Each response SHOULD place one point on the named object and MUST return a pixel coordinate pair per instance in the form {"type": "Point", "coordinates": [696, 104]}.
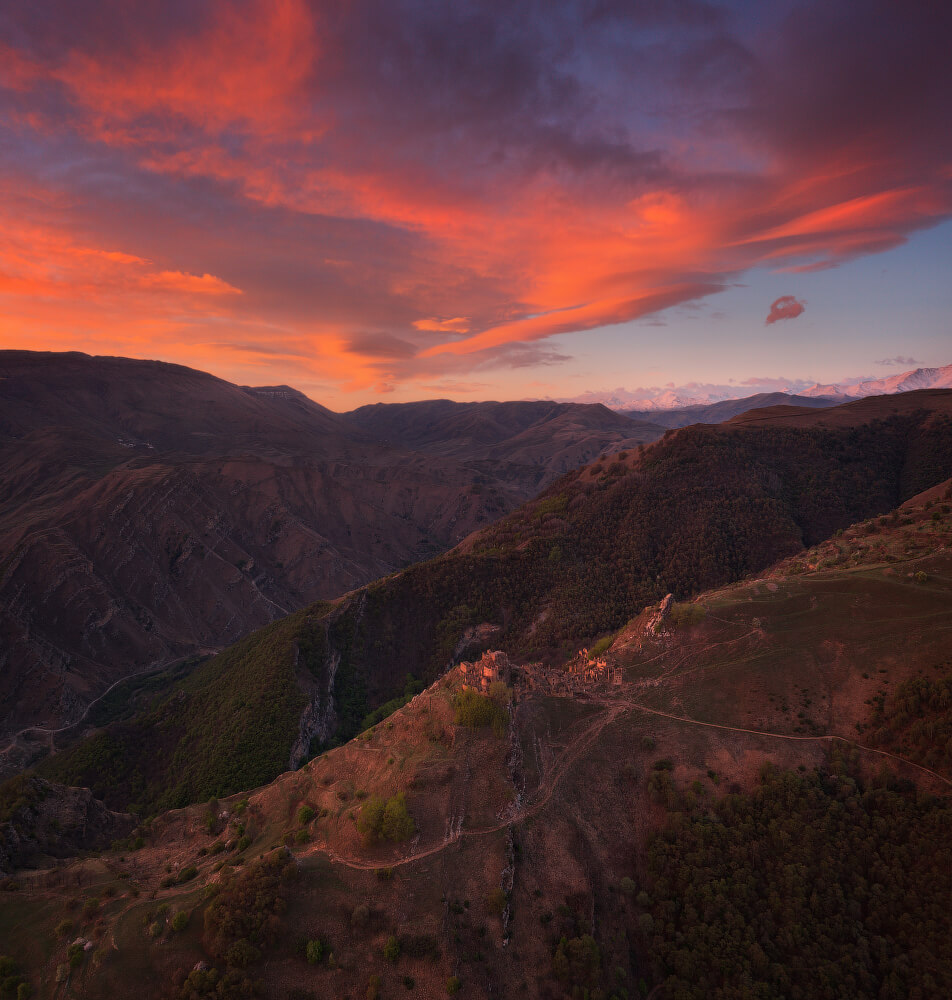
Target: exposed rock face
{"type": "Point", "coordinates": [318, 719]}
{"type": "Point", "coordinates": [656, 616]}
{"type": "Point", "coordinates": [42, 820]}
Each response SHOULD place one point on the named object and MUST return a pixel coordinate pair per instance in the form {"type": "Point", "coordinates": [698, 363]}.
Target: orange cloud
{"type": "Point", "coordinates": [397, 193]}
{"type": "Point", "coordinates": [193, 284]}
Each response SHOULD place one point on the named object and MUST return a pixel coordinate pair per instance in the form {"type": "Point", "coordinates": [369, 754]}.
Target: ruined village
{"type": "Point", "coordinates": [583, 674]}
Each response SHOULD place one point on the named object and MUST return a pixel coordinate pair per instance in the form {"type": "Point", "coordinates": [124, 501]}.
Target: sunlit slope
{"type": "Point", "coordinates": [747, 716]}
{"type": "Point", "coordinates": [705, 506]}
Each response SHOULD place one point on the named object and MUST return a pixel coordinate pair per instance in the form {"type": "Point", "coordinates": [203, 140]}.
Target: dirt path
{"type": "Point", "coordinates": [788, 736]}
{"type": "Point", "coordinates": [155, 668]}
{"type": "Point", "coordinates": [539, 800]}
{"type": "Point", "coordinates": [575, 749]}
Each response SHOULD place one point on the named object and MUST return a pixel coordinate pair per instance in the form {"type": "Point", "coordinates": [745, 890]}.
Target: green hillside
{"type": "Point", "coordinates": [228, 726]}
{"type": "Point", "coordinates": [703, 507]}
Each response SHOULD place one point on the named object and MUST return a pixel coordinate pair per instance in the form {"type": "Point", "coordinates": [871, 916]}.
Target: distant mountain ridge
{"type": "Point", "coordinates": [553, 437]}
{"type": "Point", "coordinates": [918, 378]}
{"type": "Point", "coordinates": [716, 413]}
{"type": "Point", "coordinates": [149, 510]}
{"type": "Point", "coordinates": [651, 401]}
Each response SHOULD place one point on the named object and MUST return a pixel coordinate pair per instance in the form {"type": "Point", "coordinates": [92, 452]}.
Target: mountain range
{"type": "Point", "coordinates": [616, 822]}
{"type": "Point", "coordinates": [149, 511]}
{"type": "Point", "coordinates": [651, 401]}
{"type": "Point", "coordinates": [919, 378]}
{"type": "Point", "coordinates": [705, 506]}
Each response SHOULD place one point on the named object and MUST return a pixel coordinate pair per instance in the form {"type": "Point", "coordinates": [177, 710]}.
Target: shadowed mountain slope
{"type": "Point", "coordinates": [754, 799]}
{"type": "Point", "coordinates": [706, 506]}
{"type": "Point", "coordinates": [148, 511]}
{"type": "Point", "coordinates": [552, 437]}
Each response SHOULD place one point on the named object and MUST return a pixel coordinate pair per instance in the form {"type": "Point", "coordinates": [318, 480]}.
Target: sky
{"type": "Point", "coordinates": [384, 200]}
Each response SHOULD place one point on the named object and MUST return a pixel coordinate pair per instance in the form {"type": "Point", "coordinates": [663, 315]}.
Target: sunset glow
{"type": "Point", "coordinates": [416, 198]}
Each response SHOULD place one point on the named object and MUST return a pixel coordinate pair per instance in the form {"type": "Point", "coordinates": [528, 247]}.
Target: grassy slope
{"type": "Point", "coordinates": [706, 506]}
{"type": "Point", "coordinates": [702, 508]}
{"type": "Point", "coordinates": [594, 825]}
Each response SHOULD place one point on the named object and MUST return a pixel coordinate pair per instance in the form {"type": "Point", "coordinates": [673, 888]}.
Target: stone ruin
{"type": "Point", "coordinates": [489, 668]}
{"type": "Point", "coordinates": [579, 676]}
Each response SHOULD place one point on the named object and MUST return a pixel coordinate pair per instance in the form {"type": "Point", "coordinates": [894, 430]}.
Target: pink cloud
{"type": "Point", "coordinates": [786, 307]}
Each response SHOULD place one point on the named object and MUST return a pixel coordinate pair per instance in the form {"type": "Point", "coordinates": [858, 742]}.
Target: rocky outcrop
{"type": "Point", "coordinates": [318, 720]}
{"type": "Point", "coordinates": [40, 820]}
{"type": "Point", "coordinates": [657, 616]}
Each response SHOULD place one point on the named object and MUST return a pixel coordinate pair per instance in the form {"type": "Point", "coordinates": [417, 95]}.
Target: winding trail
{"type": "Point", "coordinates": [788, 736]}
{"type": "Point", "coordinates": [155, 668]}
{"type": "Point", "coordinates": [539, 801]}
{"type": "Point", "coordinates": [614, 710]}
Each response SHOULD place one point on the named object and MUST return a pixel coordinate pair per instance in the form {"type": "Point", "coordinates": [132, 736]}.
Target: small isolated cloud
{"type": "Point", "coordinates": [897, 360]}
{"type": "Point", "coordinates": [786, 307]}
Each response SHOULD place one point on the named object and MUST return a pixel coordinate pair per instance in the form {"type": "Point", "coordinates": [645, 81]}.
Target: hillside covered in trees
{"type": "Point", "coordinates": [701, 508]}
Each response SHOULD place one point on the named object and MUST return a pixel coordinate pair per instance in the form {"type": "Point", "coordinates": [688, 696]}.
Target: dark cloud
{"type": "Point", "coordinates": [786, 307]}
{"type": "Point", "coordinates": [380, 345]}
{"type": "Point", "coordinates": [897, 360]}
{"type": "Point", "coordinates": [275, 349]}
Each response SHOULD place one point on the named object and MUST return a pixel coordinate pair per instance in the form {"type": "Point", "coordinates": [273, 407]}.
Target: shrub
{"type": "Point", "coordinates": [397, 822]}
{"type": "Point", "coordinates": [242, 953]}
{"type": "Point", "coordinates": [474, 711]}
{"type": "Point", "coordinates": [64, 928]}
{"type": "Point", "coordinates": [687, 614]}
{"type": "Point", "coordinates": [497, 902]}
{"type": "Point", "coordinates": [187, 874]}
{"type": "Point", "coordinates": [453, 985]}
{"type": "Point", "coordinates": [24, 991]}
{"type": "Point", "coordinates": [314, 952]}
{"type": "Point", "coordinates": [577, 961]}
{"type": "Point", "coordinates": [373, 988]}
{"type": "Point", "coordinates": [390, 819]}
{"type": "Point", "coordinates": [305, 815]}
{"type": "Point", "coordinates": [180, 920]}
{"type": "Point", "coordinates": [601, 646]}
{"type": "Point", "coordinates": [391, 950]}
{"type": "Point", "coordinates": [360, 916]}
{"type": "Point", "coordinates": [370, 820]}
